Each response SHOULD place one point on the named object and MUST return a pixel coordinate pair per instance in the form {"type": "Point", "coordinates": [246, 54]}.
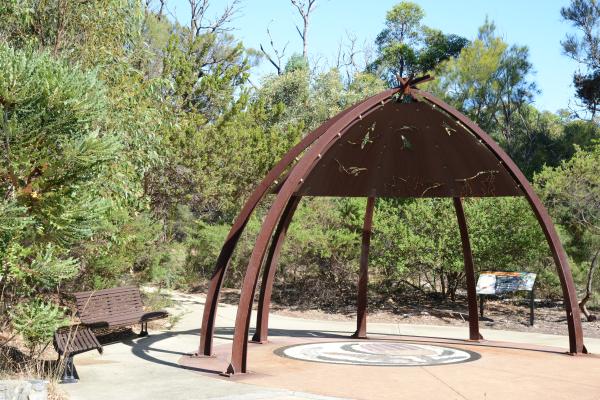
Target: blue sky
{"type": "Point", "coordinates": [534, 23]}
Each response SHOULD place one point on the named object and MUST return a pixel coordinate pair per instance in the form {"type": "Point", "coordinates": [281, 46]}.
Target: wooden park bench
{"type": "Point", "coordinates": [100, 309]}
{"type": "Point", "coordinates": [114, 308]}
{"type": "Point", "coordinates": [70, 341]}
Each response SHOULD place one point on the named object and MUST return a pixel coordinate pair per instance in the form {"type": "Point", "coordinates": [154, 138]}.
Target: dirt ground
{"type": "Point", "coordinates": [498, 314]}
{"type": "Point", "coordinates": [510, 314]}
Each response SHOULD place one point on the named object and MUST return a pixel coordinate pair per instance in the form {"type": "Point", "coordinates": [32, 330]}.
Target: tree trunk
{"type": "Point", "coordinates": [443, 283]}
{"type": "Point", "coordinates": [305, 14]}
{"type": "Point", "coordinates": [588, 289]}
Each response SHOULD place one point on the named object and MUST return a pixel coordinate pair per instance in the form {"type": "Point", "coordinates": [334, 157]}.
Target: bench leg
{"type": "Point", "coordinates": [144, 331]}
{"type": "Point", "coordinates": [70, 374]}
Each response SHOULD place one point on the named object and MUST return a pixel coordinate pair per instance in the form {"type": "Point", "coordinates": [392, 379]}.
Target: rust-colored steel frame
{"type": "Point", "coordinates": [216, 281]}
{"type": "Point", "coordinates": [281, 211]}
{"type": "Point", "coordinates": [266, 287]}
{"type": "Point", "coordinates": [469, 270]}
{"type": "Point", "coordinates": [363, 278]}
{"type": "Point", "coordinates": [576, 345]}
{"type": "Point", "coordinates": [262, 318]}
{"type": "Point", "coordinates": [295, 178]}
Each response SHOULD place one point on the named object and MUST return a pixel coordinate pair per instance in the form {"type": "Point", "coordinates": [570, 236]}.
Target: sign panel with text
{"type": "Point", "coordinates": [505, 282]}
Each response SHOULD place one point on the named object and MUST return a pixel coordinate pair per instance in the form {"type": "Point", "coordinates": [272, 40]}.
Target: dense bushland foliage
{"type": "Point", "coordinates": [130, 141]}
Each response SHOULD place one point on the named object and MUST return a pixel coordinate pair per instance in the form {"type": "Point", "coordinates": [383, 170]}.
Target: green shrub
{"type": "Point", "coordinates": [36, 322]}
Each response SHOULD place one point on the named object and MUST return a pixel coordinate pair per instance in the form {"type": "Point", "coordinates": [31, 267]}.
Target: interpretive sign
{"type": "Point", "coordinates": [505, 282]}
{"type": "Point", "coordinates": [498, 283]}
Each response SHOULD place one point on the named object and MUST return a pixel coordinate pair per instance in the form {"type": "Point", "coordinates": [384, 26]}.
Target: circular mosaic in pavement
{"type": "Point", "coordinates": [377, 353]}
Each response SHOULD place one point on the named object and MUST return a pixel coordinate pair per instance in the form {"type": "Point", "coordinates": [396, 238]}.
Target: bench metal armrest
{"type": "Point", "coordinates": [152, 315]}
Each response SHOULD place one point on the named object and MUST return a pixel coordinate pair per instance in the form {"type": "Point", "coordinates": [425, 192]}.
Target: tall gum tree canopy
{"type": "Point", "coordinates": [584, 47]}
{"type": "Point", "coordinates": [407, 47]}
{"type": "Point", "coordinates": [490, 81]}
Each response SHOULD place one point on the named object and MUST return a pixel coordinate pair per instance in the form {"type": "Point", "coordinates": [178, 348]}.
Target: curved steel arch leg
{"type": "Point", "coordinates": [216, 281]}
{"type": "Point", "coordinates": [363, 279]}
{"type": "Point", "coordinates": [239, 348]}
{"type": "Point", "coordinates": [214, 288]}
{"type": "Point", "coordinates": [469, 270]}
{"type": "Point", "coordinates": [264, 300]}
{"type": "Point", "coordinates": [561, 261]}
{"type": "Point", "coordinates": [576, 345]}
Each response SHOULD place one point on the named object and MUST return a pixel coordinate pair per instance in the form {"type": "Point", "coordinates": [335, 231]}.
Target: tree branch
{"type": "Point", "coordinates": [278, 54]}
{"type": "Point", "coordinates": [588, 289]}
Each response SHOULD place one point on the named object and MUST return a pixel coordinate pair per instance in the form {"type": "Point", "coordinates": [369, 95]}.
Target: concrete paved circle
{"type": "Point", "coordinates": [377, 353]}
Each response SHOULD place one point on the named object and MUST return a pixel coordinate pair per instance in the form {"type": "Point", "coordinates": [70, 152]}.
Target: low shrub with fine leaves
{"type": "Point", "coordinates": [36, 322]}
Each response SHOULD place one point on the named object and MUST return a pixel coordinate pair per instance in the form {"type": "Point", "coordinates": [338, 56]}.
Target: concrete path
{"type": "Point", "coordinates": [148, 368]}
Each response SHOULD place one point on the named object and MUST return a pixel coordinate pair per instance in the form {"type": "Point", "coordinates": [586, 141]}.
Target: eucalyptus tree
{"type": "Point", "coordinates": [490, 82]}
{"type": "Point", "coordinates": [407, 47]}
{"type": "Point", "coordinates": [584, 47]}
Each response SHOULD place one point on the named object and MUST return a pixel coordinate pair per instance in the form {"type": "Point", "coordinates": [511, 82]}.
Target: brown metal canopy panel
{"type": "Point", "coordinates": [409, 150]}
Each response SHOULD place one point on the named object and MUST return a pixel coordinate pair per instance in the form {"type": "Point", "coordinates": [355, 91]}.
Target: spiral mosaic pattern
{"type": "Point", "coordinates": [377, 353]}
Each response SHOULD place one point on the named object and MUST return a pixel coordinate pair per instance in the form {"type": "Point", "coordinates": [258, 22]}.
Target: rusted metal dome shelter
{"type": "Point", "coordinates": [403, 142]}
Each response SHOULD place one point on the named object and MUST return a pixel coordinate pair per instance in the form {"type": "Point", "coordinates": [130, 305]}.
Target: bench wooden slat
{"type": "Point", "coordinates": [74, 340]}
{"type": "Point", "coordinates": [97, 306]}
{"type": "Point", "coordinates": [112, 316]}
{"type": "Point", "coordinates": [114, 307]}
{"type": "Point", "coordinates": [108, 291]}
{"type": "Point", "coordinates": [86, 341]}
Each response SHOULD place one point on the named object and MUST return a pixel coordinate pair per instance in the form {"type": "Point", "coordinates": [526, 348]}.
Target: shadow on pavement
{"type": "Point", "coordinates": [143, 347]}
